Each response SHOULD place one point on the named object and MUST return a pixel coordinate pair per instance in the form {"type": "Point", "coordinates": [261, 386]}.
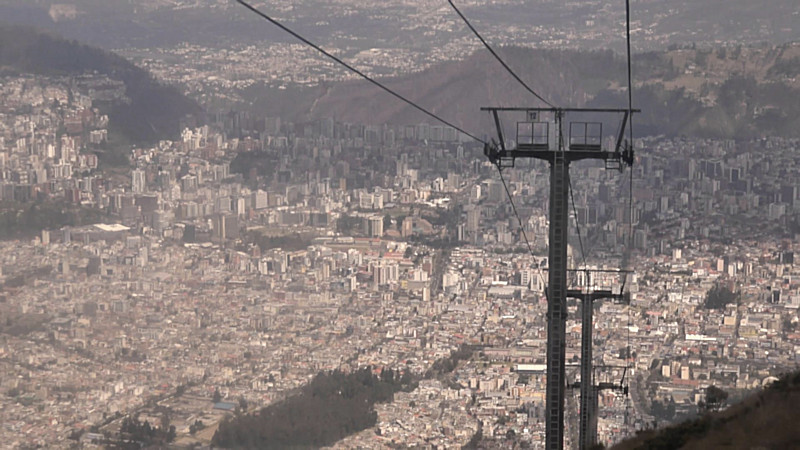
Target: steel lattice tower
{"type": "Point", "coordinates": [585, 142]}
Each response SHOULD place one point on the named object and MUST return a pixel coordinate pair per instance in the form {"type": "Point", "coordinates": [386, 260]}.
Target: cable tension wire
{"type": "Point", "coordinates": [499, 59]}
{"type": "Point", "coordinates": [521, 226]}
{"type": "Point", "coordinates": [354, 70]}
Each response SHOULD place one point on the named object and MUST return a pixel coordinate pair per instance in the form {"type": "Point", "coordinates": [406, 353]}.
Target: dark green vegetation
{"type": "Point", "coordinates": [255, 164]}
{"type": "Point", "coordinates": [14, 324]}
{"type": "Point", "coordinates": [154, 111]}
{"type": "Point", "coordinates": [446, 365]}
{"type": "Point", "coordinates": [134, 434]}
{"type": "Point", "coordinates": [26, 277]}
{"type": "Point", "coordinates": [718, 297]}
{"type": "Point", "coordinates": [767, 419]}
{"type": "Point", "coordinates": [349, 225]}
{"type": "Point", "coordinates": [286, 242]}
{"type": "Point", "coordinates": [715, 399]}
{"type": "Point", "coordinates": [19, 220]}
{"type": "Point", "coordinates": [332, 406]}
{"type": "Point", "coordinates": [663, 410]}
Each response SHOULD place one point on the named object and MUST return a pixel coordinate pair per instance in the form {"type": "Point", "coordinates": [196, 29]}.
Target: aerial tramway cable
{"type": "Point", "coordinates": [499, 59]}
{"type": "Point", "coordinates": [629, 353]}
{"type": "Point", "coordinates": [577, 225]}
{"type": "Point", "coordinates": [521, 227]}
{"type": "Point", "coordinates": [535, 94]}
{"type": "Point", "coordinates": [356, 71]}
{"type": "Point", "coordinates": [499, 170]}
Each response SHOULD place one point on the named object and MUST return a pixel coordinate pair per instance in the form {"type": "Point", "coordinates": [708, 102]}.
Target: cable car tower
{"type": "Point", "coordinates": [535, 139]}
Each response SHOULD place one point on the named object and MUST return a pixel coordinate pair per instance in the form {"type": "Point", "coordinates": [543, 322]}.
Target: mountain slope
{"type": "Point", "coordinates": [725, 93]}
{"type": "Point", "coordinates": [457, 90]}
{"type": "Point", "coordinates": [767, 419]}
{"type": "Point", "coordinates": [154, 111]}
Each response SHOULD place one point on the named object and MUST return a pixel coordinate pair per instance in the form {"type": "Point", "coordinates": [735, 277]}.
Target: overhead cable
{"type": "Point", "coordinates": [630, 118]}
{"type": "Point", "coordinates": [354, 70]}
{"type": "Point", "coordinates": [521, 226]}
{"type": "Point", "coordinates": [499, 59]}
{"type": "Point", "coordinates": [630, 185]}
{"type": "Point", "coordinates": [577, 225]}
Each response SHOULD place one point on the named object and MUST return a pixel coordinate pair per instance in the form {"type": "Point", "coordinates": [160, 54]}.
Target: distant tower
{"type": "Point", "coordinates": [138, 181]}
{"type": "Point", "coordinates": [407, 227]}
{"type": "Point", "coordinates": [582, 142]}
{"type": "Point", "coordinates": [33, 139]}
{"type": "Point", "coordinates": [375, 226]}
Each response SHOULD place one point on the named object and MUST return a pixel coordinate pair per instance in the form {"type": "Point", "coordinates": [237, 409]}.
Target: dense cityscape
{"type": "Point", "coordinates": [185, 294]}
{"type": "Point", "coordinates": [201, 278]}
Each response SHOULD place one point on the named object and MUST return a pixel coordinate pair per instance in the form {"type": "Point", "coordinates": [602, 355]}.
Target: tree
{"type": "Point", "coordinates": [476, 439]}
{"type": "Point", "coordinates": [196, 426]}
{"type": "Point", "coordinates": [715, 398]}
{"type": "Point", "coordinates": [719, 296]}
{"type": "Point", "coordinates": [345, 224]}
{"type": "Point", "coordinates": [332, 406]}
{"type": "Point", "coordinates": [217, 397]}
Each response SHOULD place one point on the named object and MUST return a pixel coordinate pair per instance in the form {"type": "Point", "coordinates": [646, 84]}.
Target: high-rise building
{"type": "Point", "coordinates": [375, 226]}
{"type": "Point", "coordinates": [138, 181]}
{"type": "Point", "coordinates": [473, 220]}
{"type": "Point", "coordinates": [385, 273]}
{"type": "Point", "coordinates": [226, 226]}
{"type": "Point", "coordinates": [407, 227]}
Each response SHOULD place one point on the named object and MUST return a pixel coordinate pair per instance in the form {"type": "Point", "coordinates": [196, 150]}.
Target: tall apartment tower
{"type": "Point", "coordinates": [138, 181]}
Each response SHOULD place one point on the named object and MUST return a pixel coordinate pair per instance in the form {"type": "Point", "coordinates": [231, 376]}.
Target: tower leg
{"type": "Point", "coordinates": [587, 384]}
{"type": "Point", "coordinates": [557, 302]}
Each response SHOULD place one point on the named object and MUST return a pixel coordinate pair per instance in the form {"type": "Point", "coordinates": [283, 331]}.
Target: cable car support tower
{"type": "Point", "coordinates": [533, 140]}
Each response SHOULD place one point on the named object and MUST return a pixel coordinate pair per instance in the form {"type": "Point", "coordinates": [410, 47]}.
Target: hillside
{"type": "Point", "coordinates": [154, 110]}
{"type": "Point", "coordinates": [453, 90]}
{"type": "Point", "coordinates": [767, 419]}
{"type": "Point", "coordinates": [724, 93]}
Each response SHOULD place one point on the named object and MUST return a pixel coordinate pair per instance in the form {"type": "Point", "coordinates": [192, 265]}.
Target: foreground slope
{"type": "Point", "coordinates": [766, 420]}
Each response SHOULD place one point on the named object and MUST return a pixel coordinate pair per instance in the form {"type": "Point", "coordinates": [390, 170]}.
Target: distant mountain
{"type": "Point", "coordinates": [767, 419]}
{"type": "Point", "coordinates": [729, 92]}
{"type": "Point", "coordinates": [453, 90]}
{"type": "Point", "coordinates": [154, 111]}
